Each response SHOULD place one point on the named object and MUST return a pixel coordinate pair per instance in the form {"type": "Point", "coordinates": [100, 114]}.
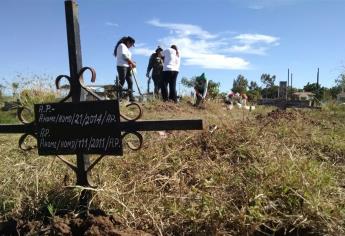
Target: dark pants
{"type": "Point", "coordinates": [126, 75]}
{"type": "Point", "coordinates": [157, 83]}
{"type": "Point", "coordinates": [198, 94]}
{"type": "Point", "coordinates": [169, 79]}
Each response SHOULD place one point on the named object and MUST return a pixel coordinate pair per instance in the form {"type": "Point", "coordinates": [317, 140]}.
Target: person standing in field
{"type": "Point", "coordinates": [156, 65]}
{"type": "Point", "coordinates": [125, 64]}
{"type": "Point", "coordinates": [171, 66]}
{"type": "Point", "coordinates": [201, 85]}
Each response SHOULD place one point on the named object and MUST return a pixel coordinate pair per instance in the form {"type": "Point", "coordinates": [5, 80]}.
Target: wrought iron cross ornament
{"type": "Point", "coordinates": [85, 127]}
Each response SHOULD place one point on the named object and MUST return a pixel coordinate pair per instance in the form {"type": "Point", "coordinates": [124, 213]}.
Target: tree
{"type": "Point", "coordinates": [189, 83]}
{"type": "Point", "coordinates": [254, 92]}
{"type": "Point", "coordinates": [316, 89]}
{"type": "Point", "coordinates": [213, 89]}
{"type": "Point", "coordinates": [240, 84]}
{"type": "Point", "coordinates": [268, 81]}
{"type": "Point", "coordinates": [340, 81]}
{"type": "Point", "coordinates": [253, 95]}
{"type": "Point", "coordinates": [335, 90]}
{"type": "Point", "coordinates": [311, 87]}
{"type": "Point", "coordinates": [271, 92]}
{"type": "Point", "coordinates": [253, 86]}
{"type": "Point", "coordinates": [15, 87]}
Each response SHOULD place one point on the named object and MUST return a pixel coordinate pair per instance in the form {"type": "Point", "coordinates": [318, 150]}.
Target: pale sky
{"type": "Point", "coordinates": [223, 38]}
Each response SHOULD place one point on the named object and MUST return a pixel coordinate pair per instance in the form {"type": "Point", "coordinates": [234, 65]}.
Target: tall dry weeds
{"type": "Point", "coordinates": [269, 171]}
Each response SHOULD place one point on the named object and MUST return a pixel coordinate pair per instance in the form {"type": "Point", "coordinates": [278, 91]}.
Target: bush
{"type": "Point", "coordinates": [29, 97]}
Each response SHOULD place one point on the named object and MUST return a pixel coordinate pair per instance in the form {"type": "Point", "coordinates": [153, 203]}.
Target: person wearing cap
{"type": "Point", "coordinates": [171, 66]}
{"type": "Point", "coordinates": [156, 65]}
{"type": "Point", "coordinates": [125, 64]}
{"type": "Point", "coordinates": [200, 87]}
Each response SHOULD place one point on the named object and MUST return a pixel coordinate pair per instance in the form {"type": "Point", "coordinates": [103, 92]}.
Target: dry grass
{"type": "Point", "coordinates": [259, 171]}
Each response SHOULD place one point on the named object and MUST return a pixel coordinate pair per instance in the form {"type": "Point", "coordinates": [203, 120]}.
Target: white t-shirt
{"type": "Point", "coordinates": [171, 60]}
{"type": "Point", "coordinates": [123, 54]}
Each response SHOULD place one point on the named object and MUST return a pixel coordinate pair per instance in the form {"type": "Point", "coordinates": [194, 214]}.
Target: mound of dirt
{"type": "Point", "coordinates": [277, 115]}
{"type": "Point", "coordinates": [69, 224]}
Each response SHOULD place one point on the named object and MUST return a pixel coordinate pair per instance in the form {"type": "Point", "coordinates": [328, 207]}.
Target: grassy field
{"type": "Point", "coordinates": [258, 173]}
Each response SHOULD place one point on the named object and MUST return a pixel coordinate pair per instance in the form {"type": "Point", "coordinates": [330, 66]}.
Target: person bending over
{"type": "Point", "coordinates": [200, 87]}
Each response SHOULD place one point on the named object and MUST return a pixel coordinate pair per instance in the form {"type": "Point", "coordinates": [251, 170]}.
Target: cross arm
{"type": "Point", "coordinates": [20, 128]}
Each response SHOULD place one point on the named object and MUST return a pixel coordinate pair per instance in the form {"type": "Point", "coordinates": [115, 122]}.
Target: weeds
{"type": "Point", "coordinates": [258, 171]}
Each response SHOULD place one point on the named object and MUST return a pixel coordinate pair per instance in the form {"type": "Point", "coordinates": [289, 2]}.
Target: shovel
{"type": "Point", "coordinates": [135, 79]}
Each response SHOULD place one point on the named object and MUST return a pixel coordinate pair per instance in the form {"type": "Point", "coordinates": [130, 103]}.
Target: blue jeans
{"type": "Point", "coordinates": [126, 75]}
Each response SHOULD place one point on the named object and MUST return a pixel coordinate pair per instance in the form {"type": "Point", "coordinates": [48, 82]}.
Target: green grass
{"type": "Point", "coordinates": [8, 117]}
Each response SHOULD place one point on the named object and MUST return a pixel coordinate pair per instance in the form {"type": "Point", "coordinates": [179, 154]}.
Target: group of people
{"type": "Point", "coordinates": [165, 65]}
{"type": "Point", "coordinates": [163, 68]}
{"type": "Point", "coordinates": [239, 99]}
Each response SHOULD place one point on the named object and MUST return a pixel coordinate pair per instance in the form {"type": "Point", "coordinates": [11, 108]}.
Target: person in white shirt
{"type": "Point", "coordinates": [125, 64]}
{"type": "Point", "coordinates": [171, 68]}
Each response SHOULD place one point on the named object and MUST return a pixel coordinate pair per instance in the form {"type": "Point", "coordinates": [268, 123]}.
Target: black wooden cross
{"type": "Point", "coordinates": [83, 127]}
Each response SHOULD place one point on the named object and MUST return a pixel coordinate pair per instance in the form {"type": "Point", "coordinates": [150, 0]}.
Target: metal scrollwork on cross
{"type": "Point", "coordinates": [99, 98]}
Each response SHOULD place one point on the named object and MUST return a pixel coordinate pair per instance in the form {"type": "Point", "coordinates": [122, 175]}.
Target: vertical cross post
{"type": "Point", "coordinates": [75, 64]}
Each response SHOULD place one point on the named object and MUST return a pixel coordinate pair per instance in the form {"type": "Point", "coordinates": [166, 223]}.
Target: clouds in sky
{"type": "Point", "coordinates": [199, 47]}
{"type": "Point", "coordinates": [111, 24]}
{"type": "Point", "coordinates": [253, 43]}
{"type": "Point", "coordinates": [261, 4]}
{"type": "Point", "coordinates": [183, 30]}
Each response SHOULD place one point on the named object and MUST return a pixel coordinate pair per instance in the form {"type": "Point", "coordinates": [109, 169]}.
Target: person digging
{"type": "Point", "coordinates": [200, 87]}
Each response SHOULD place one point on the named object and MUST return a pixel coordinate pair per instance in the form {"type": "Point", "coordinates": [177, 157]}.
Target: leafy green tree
{"type": "Point", "coordinates": [340, 81]}
{"type": "Point", "coordinates": [240, 84]}
{"type": "Point", "coordinates": [316, 89]}
{"type": "Point", "coordinates": [253, 95]}
{"type": "Point", "coordinates": [189, 83]}
{"type": "Point", "coordinates": [213, 89]}
{"type": "Point", "coordinates": [310, 87]}
{"type": "Point", "coordinates": [335, 90]}
{"type": "Point", "coordinates": [268, 81]}
{"type": "Point", "coordinates": [253, 86]}
{"type": "Point", "coordinates": [271, 92]}
{"type": "Point", "coordinates": [254, 92]}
